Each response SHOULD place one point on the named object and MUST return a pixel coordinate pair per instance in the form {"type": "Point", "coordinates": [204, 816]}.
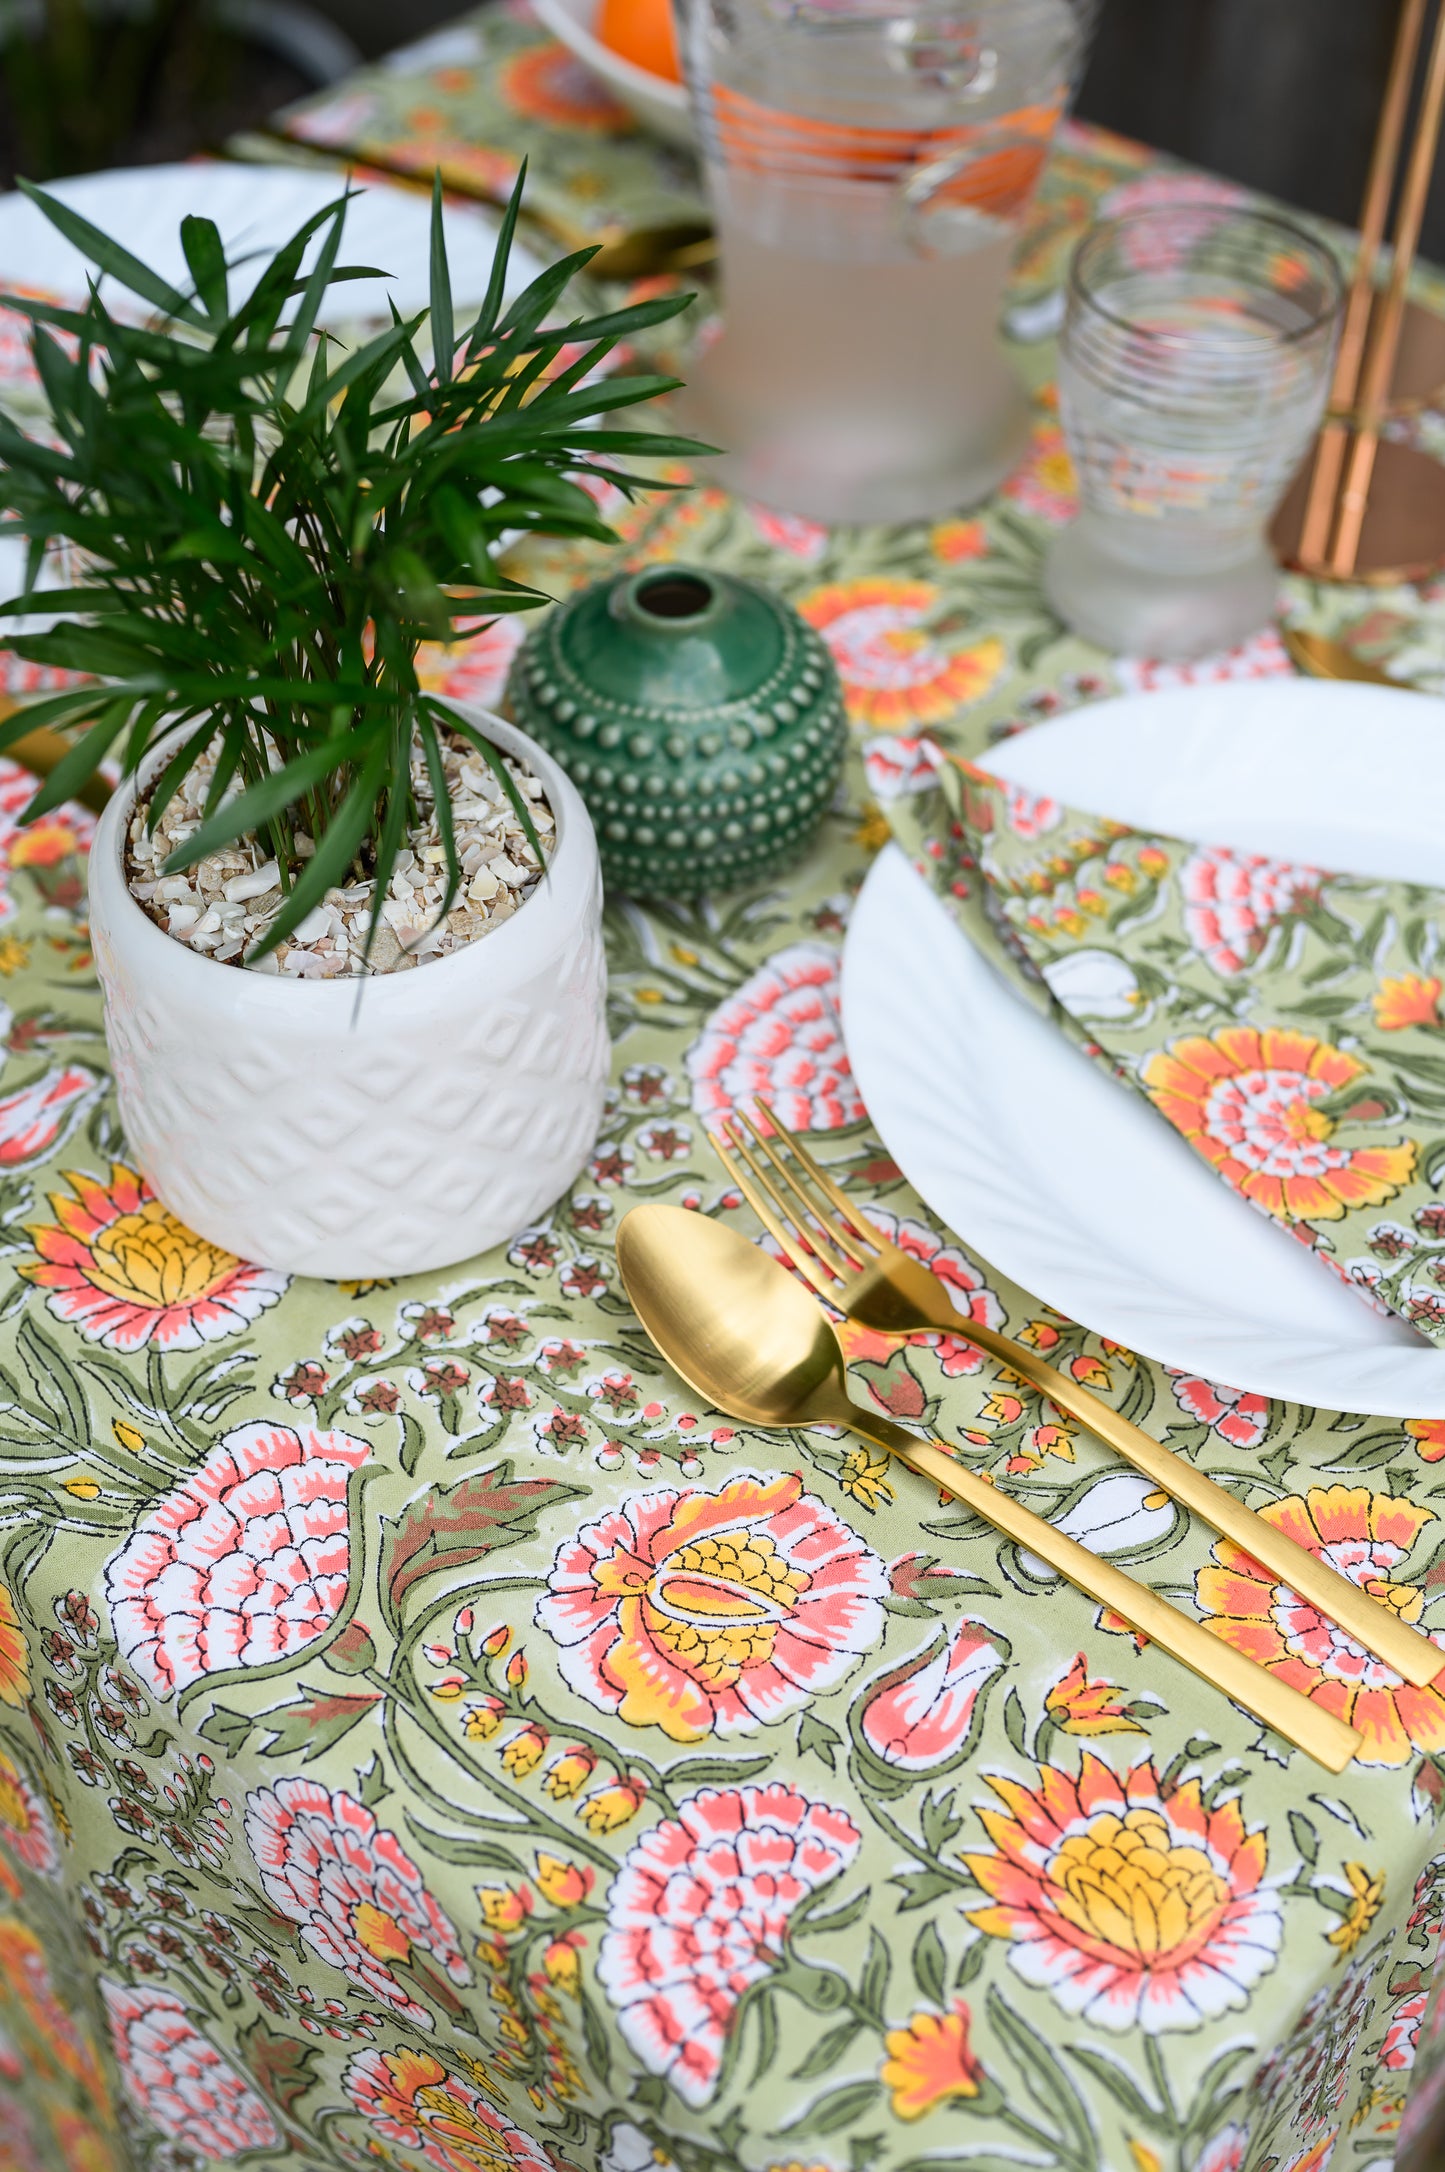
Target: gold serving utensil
{"type": "Point", "coordinates": [747, 1337]}
{"type": "Point", "coordinates": [847, 1260]}
{"type": "Point", "coordinates": [42, 750]}
{"type": "Point", "coordinates": [642, 252]}
{"type": "Point", "coordinates": [1321, 658]}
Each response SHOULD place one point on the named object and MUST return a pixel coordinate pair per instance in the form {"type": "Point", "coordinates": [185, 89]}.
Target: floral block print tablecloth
{"type": "Point", "coordinates": [430, 1739]}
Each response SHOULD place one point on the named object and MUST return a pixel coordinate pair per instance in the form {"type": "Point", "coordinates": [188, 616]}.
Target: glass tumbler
{"type": "Point", "coordinates": [869, 162]}
{"type": "Point", "coordinates": [1193, 372]}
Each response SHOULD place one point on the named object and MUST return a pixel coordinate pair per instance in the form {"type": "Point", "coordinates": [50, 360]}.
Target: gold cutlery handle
{"type": "Point", "coordinates": [1380, 1630]}
{"type": "Point", "coordinates": [1320, 1734]}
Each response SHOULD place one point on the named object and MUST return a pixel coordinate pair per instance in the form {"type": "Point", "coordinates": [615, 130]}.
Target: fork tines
{"type": "Point", "coordinates": [824, 1248]}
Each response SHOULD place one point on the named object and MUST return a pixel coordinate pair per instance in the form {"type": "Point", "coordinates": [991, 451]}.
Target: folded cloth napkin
{"type": "Point", "coordinates": [1286, 1021]}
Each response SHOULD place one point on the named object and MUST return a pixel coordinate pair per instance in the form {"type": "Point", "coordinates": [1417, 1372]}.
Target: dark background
{"type": "Point", "coordinates": [1281, 94]}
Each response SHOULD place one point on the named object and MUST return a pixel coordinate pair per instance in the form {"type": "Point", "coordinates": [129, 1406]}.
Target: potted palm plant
{"type": "Point", "coordinates": [263, 527]}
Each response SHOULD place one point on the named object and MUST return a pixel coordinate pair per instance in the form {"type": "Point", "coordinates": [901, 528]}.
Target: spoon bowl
{"type": "Point", "coordinates": [738, 1327]}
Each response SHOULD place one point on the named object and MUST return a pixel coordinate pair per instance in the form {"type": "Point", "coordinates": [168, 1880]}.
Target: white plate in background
{"type": "Point", "coordinates": [256, 208]}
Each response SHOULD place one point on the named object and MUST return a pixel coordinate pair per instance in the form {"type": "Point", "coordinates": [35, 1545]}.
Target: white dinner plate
{"type": "Point", "coordinates": [256, 208]}
{"type": "Point", "coordinates": [1062, 1178]}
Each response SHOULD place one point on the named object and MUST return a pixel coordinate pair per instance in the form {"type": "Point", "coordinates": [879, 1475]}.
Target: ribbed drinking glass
{"type": "Point", "coordinates": [1193, 372]}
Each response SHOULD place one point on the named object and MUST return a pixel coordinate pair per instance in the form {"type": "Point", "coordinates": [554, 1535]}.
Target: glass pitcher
{"type": "Point", "coordinates": [869, 162]}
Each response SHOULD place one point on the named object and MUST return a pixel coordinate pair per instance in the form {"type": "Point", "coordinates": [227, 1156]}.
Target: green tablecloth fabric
{"type": "Point", "coordinates": [428, 1738]}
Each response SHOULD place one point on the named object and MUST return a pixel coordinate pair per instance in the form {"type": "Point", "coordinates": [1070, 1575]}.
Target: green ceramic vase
{"type": "Point", "coordinates": [700, 718]}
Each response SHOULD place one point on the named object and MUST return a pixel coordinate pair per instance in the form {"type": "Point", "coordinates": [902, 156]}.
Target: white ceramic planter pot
{"type": "Point", "coordinates": [446, 1111]}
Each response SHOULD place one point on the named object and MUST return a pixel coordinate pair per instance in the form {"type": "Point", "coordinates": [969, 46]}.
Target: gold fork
{"type": "Point", "coordinates": [848, 1261]}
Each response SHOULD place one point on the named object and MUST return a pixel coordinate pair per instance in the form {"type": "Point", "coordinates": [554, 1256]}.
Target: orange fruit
{"type": "Point", "coordinates": [641, 31]}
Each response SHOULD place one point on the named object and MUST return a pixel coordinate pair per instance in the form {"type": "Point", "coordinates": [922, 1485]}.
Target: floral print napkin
{"type": "Point", "coordinates": [1287, 1021]}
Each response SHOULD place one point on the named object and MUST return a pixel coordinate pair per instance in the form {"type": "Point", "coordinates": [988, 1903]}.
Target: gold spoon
{"type": "Point", "coordinates": [641, 252]}
{"type": "Point", "coordinates": [1321, 658]}
{"type": "Point", "coordinates": [749, 1339]}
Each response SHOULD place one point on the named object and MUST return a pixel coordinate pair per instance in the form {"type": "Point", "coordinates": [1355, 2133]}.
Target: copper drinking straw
{"type": "Point", "coordinates": [1354, 475]}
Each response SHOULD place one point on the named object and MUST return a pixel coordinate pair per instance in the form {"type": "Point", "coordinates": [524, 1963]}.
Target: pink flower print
{"type": "Point", "coordinates": [1232, 900]}
{"type": "Point", "coordinates": [779, 1039]}
{"type": "Point", "coordinates": [699, 1912]}
{"type": "Point", "coordinates": [408, 2096]}
{"type": "Point", "coordinates": [967, 1291]}
{"type": "Point", "coordinates": [350, 1885]}
{"type": "Point", "coordinates": [895, 767]}
{"type": "Point", "coordinates": [1031, 814]}
{"type": "Point", "coordinates": [712, 1613]}
{"type": "Point", "coordinates": [1403, 2035]}
{"type": "Point", "coordinates": [474, 667]}
{"type": "Point", "coordinates": [41, 1115]}
{"type": "Point", "coordinates": [800, 538]}
{"type": "Point", "coordinates": [1263, 656]}
{"type": "Point", "coordinates": [1127, 1897]}
{"type": "Point", "coordinates": [920, 1716]}
{"type": "Point", "coordinates": [1226, 2153]}
{"type": "Point", "coordinates": [245, 1562]}
{"type": "Point", "coordinates": [1236, 1417]}
{"type": "Point", "coordinates": [178, 2080]}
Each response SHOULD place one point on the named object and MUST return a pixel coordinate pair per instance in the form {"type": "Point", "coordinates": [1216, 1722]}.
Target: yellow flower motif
{"type": "Point", "coordinates": [1082, 1705]}
{"type": "Point", "coordinates": [650, 995]}
{"type": "Point", "coordinates": [1145, 2158]}
{"type": "Point", "coordinates": [563, 1779]}
{"type": "Point", "coordinates": [127, 1436]}
{"type": "Point", "coordinates": [481, 1721]}
{"type": "Point", "coordinates": [872, 833]}
{"type": "Point", "coordinates": [14, 955]}
{"type": "Point", "coordinates": [366, 1286]}
{"type": "Point", "coordinates": [564, 1884]}
{"type": "Point", "coordinates": [562, 1965]}
{"type": "Point", "coordinates": [864, 1476]}
{"type": "Point", "coordinates": [930, 2061]}
{"type": "Point", "coordinates": [81, 1489]}
{"type": "Point", "coordinates": [1408, 1000]}
{"type": "Point", "coordinates": [683, 955]}
{"type": "Point", "coordinates": [525, 1752]}
{"type": "Point", "coordinates": [504, 1907]}
{"type": "Point", "coordinates": [1002, 1409]}
{"type": "Point", "coordinates": [14, 1658]}
{"type": "Point", "coordinates": [1367, 1895]}
{"type": "Point", "coordinates": [609, 1808]}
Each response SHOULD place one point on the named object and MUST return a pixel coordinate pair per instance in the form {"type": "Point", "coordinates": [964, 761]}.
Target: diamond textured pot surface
{"type": "Point", "coordinates": [306, 1130]}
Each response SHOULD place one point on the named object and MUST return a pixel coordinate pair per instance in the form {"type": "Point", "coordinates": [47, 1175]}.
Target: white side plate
{"type": "Point", "coordinates": [255, 208]}
{"type": "Point", "coordinates": [1059, 1176]}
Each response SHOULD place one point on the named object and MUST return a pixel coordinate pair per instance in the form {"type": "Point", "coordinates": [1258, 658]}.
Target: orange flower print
{"type": "Point", "coordinates": [127, 1273]}
{"type": "Point", "coordinates": [1409, 1000]}
{"type": "Point", "coordinates": [1428, 1434]}
{"type": "Point", "coordinates": [408, 2096]}
{"type": "Point", "coordinates": [14, 1659]}
{"type": "Point", "coordinates": [958, 541]}
{"type": "Point", "coordinates": [1365, 1536]}
{"type": "Point", "coordinates": [929, 2062]}
{"type": "Point", "coordinates": [895, 672]}
{"type": "Point", "coordinates": [1126, 1896]}
{"type": "Point", "coordinates": [1084, 1705]}
{"type": "Point", "coordinates": [1247, 1101]}
{"type": "Point", "coordinates": [547, 83]}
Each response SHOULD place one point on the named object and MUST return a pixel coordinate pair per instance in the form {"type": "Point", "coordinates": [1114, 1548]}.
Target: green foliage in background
{"type": "Point", "coordinates": [266, 526]}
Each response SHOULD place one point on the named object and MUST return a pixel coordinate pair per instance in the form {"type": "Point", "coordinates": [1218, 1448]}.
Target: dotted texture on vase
{"type": "Point", "coordinates": [700, 718]}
